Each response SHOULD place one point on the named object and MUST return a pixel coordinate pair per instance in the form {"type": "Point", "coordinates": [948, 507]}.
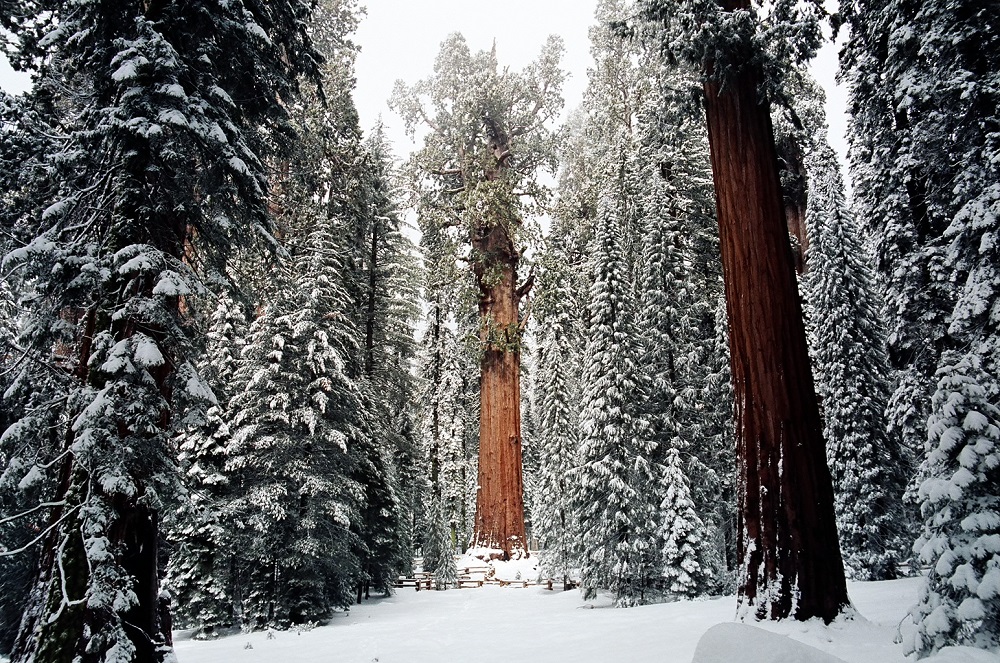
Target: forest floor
{"type": "Point", "coordinates": [533, 624]}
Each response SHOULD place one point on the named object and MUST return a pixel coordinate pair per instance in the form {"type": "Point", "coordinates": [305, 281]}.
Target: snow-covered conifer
{"type": "Point", "coordinates": [456, 421]}
{"type": "Point", "coordinates": [869, 469]}
{"type": "Point", "coordinates": [679, 284]}
{"type": "Point", "coordinates": [295, 423]}
{"type": "Point", "coordinates": [153, 174]}
{"type": "Point", "coordinates": [960, 542]}
{"type": "Point", "coordinates": [924, 91]}
{"type": "Point", "coordinates": [685, 564]}
{"type": "Point", "coordinates": [200, 573]}
{"type": "Point", "coordinates": [553, 518]}
{"type": "Point", "coordinates": [439, 548]}
{"type": "Point", "coordinates": [617, 511]}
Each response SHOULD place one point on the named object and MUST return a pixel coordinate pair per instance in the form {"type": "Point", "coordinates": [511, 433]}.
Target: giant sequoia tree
{"type": "Point", "coordinates": [790, 556]}
{"type": "Point", "coordinates": [488, 137]}
{"type": "Point", "coordinates": [151, 173]}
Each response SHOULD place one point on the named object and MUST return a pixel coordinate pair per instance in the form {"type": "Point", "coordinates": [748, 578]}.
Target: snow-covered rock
{"type": "Point", "coordinates": [725, 643]}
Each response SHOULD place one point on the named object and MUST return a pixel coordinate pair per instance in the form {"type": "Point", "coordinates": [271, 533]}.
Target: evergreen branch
{"type": "Point", "coordinates": [28, 352]}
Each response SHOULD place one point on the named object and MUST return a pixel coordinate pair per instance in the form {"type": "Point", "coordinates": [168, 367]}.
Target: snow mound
{"type": "Point", "coordinates": [963, 655]}
{"type": "Point", "coordinates": [725, 643]}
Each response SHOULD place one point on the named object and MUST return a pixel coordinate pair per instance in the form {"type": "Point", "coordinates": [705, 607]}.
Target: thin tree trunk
{"type": "Point", "coordinates": [791, 155]}
{"type": "Point", "coordinates": [788, 546]}
{"type": "Point", "coordinates": [372, 295]}
{"type": "Point", "coordinates": [436, 376]}
{"type": "Point", "coordinates": [499, 521]}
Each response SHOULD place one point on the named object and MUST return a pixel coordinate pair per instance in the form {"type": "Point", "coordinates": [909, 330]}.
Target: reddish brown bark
{"type": "Point", "coordinates": [788, 546]}
{"type": "Point", "coordinates": [795, 201]}
{"type": "Point", "coordinates": [499, 521]}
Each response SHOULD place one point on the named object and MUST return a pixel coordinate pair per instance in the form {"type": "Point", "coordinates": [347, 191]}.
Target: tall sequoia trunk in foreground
{"type": "Point", "coordinates": [790, 555]}
{"type": "Point", "coordinates": [499, 522]}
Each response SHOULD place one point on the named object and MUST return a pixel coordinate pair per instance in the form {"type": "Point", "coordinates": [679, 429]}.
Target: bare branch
{"type": "Point", "coordinates": [427, 120]}
{"type": "Point", "coordinates": [42, 535]}
{"type": "Point", "coordinates": [446, 171]}
{"type": "Point", "coordinates": [527, 315]}
{"type": "Point", "coordinates": [527, 285]}
{"type": "Point", "coordinates": [33, 509]}
{"type": "Point", "coordinates": [535, 110]}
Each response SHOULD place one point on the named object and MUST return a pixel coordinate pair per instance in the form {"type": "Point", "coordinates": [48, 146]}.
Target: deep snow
{"type": "Point", "coordinates": [534, 624]}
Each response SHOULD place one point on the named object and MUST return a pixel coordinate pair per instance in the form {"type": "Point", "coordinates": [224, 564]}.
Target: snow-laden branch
{"type": "Point", "coordinates": [37, 507]}
{"type": "Point", "coordinates": [41, 535]}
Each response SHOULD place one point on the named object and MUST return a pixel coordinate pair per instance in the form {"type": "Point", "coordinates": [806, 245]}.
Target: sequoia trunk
{"type": "Point", "coordinates": [788, 547]}
{"type": "Point", "coordinates": [499, 523]}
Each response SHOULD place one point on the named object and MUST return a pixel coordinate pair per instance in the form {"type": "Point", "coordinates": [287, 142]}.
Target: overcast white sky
{"type": "Point", "coordinates": [401, 39]}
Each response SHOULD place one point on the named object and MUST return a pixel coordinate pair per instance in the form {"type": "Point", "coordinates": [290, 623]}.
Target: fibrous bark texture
{"type": "Point", "coordinates": [790, 556]}
{"type": "Point", "coordinates": [499, 523]}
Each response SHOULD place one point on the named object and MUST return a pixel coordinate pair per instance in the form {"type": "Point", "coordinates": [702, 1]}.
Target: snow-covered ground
{"type": "Point", "coordinates": [534, 625]}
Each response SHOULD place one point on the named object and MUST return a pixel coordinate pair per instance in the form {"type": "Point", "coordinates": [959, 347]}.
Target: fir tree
{"type": "Point", "coordinates": [201, 575]}
{"type": "Point", "coordinates": [553, 519]}
{"type": "Point", "coordinates": [680, 283]}
{"type": "Point", "coordinates": [685, 565]}
{"type": "Point", "coordinates": [668, 324]}
{"type": "Point", "coordinates": [456, 422]}
{"type": "Point", "coordinates": [869, 469]}
{"type": "Point", "coordinates": [925, 182]}
{"type": "Point", "coordinates": [617, 512]}
{"type": "Point", "coordinates": [439, 549]}
{"type": "Point", "coordinates": [960, 601]}
{"type": "Point", "coordinates": [295, 425]}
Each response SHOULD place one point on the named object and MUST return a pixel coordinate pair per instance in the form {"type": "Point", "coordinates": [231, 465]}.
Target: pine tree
{"type": "Point", "coordinates": [23, 485]}
{"type": "Point", "coordinates": [617, 88]}
{"type": "Point", "coordinates": [446, 400]}
{"type": "Point", "coordinates": [617, 512]}
{"type": "Point", "coordinates": [663, 296]}
{"type": "Point", "coordinates": [558, 308]}
{"type": "Point", "coordinates": [337, 183]}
